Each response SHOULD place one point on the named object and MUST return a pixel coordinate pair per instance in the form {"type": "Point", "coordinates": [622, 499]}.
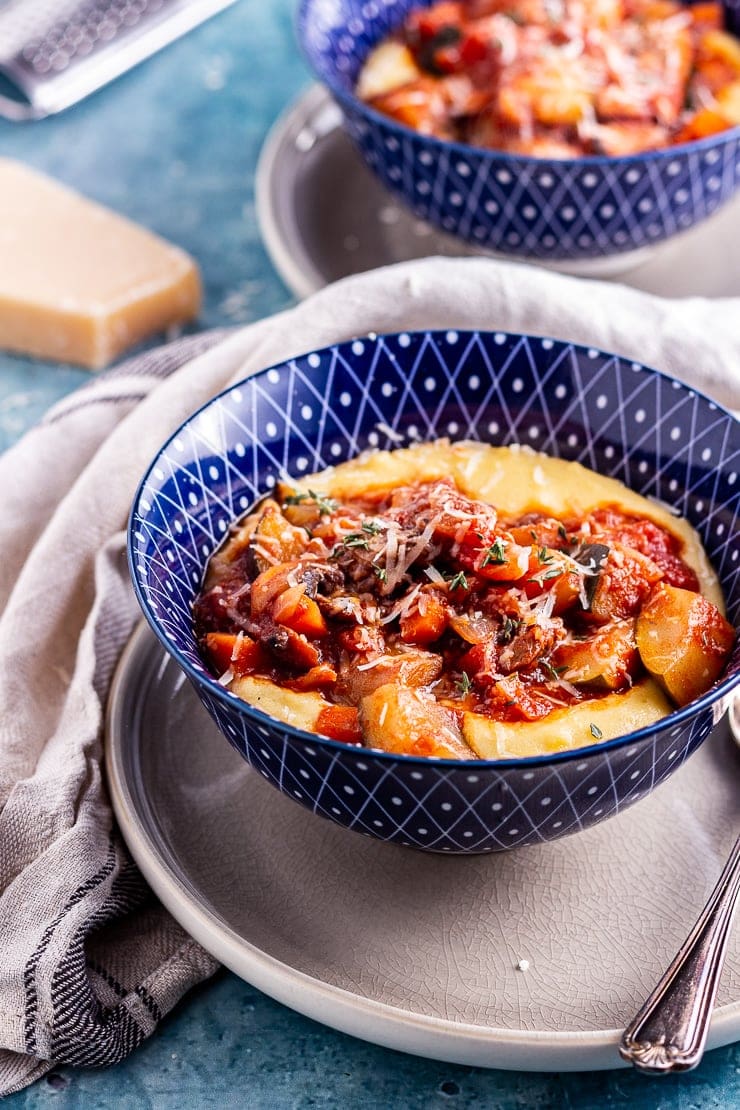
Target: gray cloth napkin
{"type": "Point", "coordinates": [90, 962]}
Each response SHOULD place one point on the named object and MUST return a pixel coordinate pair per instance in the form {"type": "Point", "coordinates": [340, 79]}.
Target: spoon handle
{"type": "Point", "coordinates": [670, 1031]}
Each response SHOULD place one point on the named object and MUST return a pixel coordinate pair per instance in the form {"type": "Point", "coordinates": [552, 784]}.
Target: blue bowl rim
{"type": "Point", "coordinates": [352, 102]}
{"type": "Point", "coordinates": [201, 678]}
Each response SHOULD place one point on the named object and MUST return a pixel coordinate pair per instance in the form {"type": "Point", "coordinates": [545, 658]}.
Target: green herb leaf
{"type": "Point", "coordinates": [371, 527]}
{"type": "Point", "coordinates": [509, 629]}
{"type": "Point", "coordinates": [544, 556]}
{"type": "Point", "coordinates": [458, 581]}
{"type": "Point", "coordinates": [496, 554]}
{"type": "Point", "coordinates": [356, 539]}
{"type": "Point", "coordinates": [381, 573]}
{"type": "Point", "coordinates": [596, 732]}
{"type": "Point", "coordinates": [554, 672]}
{"type": "Point", "coordinates": [464, 685]}
{"type": "Point", "coordinates": [325, 505]}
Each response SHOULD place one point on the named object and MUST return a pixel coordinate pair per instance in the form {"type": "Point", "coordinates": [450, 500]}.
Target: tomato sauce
{"type": "Point", "coordinates": [559, 78]}
{"type": "Point", "coordinates": [426, 589]}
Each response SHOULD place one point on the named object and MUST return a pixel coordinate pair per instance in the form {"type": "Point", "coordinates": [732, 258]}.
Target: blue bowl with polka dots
{"type": "Point", "coordinates": [538, 208]}
{"type": "Point", "coordinates": [617, 417]}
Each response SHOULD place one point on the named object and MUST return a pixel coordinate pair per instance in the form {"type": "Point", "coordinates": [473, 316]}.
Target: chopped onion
{"type": "Point", "coordinates": [434, 575]}
{"type": "Point", "coordinates": [472, 630]}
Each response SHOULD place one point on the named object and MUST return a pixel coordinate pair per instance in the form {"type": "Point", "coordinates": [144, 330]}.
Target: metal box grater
{"type": "Point", "coordinates": [53, 53]}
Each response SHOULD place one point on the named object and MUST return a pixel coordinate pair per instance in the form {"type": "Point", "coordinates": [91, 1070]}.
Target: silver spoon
{"type": "Point", "coordinates": [670, 1031]}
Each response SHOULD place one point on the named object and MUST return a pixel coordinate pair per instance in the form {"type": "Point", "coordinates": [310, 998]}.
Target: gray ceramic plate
{"type": "Point", "coordinates": [533, 959]}
{"type": "Point", "coordinates": [317, 230]}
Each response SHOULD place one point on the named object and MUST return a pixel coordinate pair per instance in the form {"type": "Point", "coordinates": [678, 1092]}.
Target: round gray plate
{"type": "Point", "coordinates": [414, 951]}
{"type": "Point", "coordinates": [323, 215]}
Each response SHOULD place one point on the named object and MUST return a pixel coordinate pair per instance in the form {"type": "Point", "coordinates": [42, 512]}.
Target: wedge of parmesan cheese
{"type": "Point", "coordinates": [79, 283]}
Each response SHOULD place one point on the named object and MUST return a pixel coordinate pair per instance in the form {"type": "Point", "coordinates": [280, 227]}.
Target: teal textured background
{"type": "Point", "coordinates": [174, 145]}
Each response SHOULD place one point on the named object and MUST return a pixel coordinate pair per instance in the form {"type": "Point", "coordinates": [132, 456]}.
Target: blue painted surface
{"type": "Point", "coordinates": [174, 145]}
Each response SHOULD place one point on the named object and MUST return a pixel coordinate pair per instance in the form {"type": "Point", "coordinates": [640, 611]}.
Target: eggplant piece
{"type": "Point", "coordinates": [622, 585]}
{"type": "Point", "coordinates": [683, 640]}
{"type": "Point", "coordinates": [411, 722]}
{"type": "Point", "coordinates": [411, 668]}
{"type": "Point", "coordinates": [591, 556]}
{"type": "Point", "coordinates": [607, 660]}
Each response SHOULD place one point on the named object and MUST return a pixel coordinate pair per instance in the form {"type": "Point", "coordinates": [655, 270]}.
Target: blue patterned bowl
{"type": "Point", "coordinates": [617, 417]}
{"type": "Point", "coordinates": [540, 208]}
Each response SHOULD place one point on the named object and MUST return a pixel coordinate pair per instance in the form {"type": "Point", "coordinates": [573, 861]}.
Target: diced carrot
{"type": "Point", "coordinates": [720, 45]}
{"type": "Point", "coordinates": [340, 722]}
{"type": "Point", "coordinates": [309, 619]}
{"type": "Point", "coordinates": [219, 646]}
{"type": "Point", "coordinates": [295, 609]}
{"type": "Point", "coordinates": [426, 622]}
{"type": "Point", "coordinates": [707, 15]}
{"type": "Point", "coordinates": [240, 653]}
{"type": "Point", "coordinates": [501, 561]}
{"type": "Point", "coordinates": [567, 590]}
{"type": "Point", "coordinates": [728, 102]}
{"type": "Point", "coordinates": [300, 652]}
{"type": "Point", "coordinates": [319, 677]}
{"type": "Point", "coordinates": [268, 585]}
{"type": "Point", "coordinates": [480, 662]}
{"type": "Point", "coordinates": [549, 572]}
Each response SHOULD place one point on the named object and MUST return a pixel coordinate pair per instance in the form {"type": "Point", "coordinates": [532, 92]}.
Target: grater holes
{"type": "Point", "coordinates": [90, 26]}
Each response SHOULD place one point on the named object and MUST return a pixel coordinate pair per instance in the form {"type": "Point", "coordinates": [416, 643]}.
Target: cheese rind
{"type": "Point", "coordinates": [78, 282]}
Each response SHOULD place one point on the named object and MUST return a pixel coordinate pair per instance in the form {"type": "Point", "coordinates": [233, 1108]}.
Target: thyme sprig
{"type": "Point", "coordinates": [495, 554]}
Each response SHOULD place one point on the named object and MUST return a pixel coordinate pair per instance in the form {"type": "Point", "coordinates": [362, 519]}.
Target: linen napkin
{"type": "Point", "coordinates": [89, 962]}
